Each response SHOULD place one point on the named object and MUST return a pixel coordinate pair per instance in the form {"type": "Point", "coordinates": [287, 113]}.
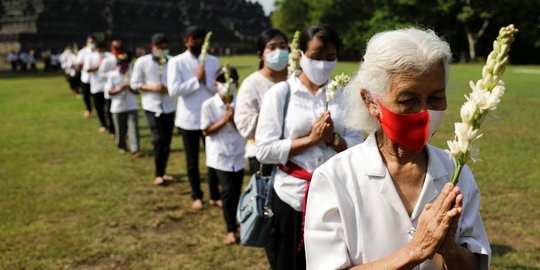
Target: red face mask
{"type": "Point", "coordinates": [407, 130]}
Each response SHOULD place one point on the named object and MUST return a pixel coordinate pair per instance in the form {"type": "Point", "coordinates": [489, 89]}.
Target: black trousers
{"type": "Point", "coordinates": [161, 128]}
{"type": "Point", "coordinates": [283, 242]}
{"type": "Point", "coordinates": [99, 104]}
{"type": "Point", "coordinates": [108, 114]}
{"type": "Point", "coordinates": [191, 139]}
{"type": "Point", "coordinates": [85, 89]}
{"type": "Point", "coordinates": [213, 184]}
{"type": "Point", "coordinates": [231, 188]}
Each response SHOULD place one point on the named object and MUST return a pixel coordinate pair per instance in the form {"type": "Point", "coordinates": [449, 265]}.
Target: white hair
{"type": "Point", "coordinates": [389, 54]}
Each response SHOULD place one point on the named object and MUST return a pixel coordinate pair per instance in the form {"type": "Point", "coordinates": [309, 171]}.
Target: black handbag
{"type": "Point", "coordinates": [254, 212]}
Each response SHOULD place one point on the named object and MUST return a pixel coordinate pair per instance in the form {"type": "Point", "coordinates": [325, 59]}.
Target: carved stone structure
{"type": "Point", "coordinates": [50, 24]}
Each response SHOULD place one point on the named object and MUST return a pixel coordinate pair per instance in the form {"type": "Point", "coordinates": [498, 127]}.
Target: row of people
{"type": "Point", "coordinates": [376, 203]}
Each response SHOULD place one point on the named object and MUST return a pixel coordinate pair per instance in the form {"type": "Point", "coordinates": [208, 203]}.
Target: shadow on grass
{"type": "Point", "coordinates": [501, 250]}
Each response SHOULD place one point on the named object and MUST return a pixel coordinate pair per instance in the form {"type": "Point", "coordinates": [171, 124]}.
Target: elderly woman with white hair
{"type": "Point", "coordinates": [387, 203]}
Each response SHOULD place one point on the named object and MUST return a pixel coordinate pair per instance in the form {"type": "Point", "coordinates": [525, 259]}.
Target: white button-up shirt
{"type": "Point", "coordinates": [81, 59]}
{"type": "Point", "coordinates": [248, 106]}
{"type": "Point", "coordinates": [182, 82]}
{"type": "Point", "coordinates": [147, 71]}
{"type": "Point", "coordinates": [225, 148]}
{"type": "Point", "coordinates": [124, 101]}
{"type": "Point", "coordinates": [304, 109]}
{"type": "Point", "coordinates": [99, 77]}
{"type": "Point", "coordinates": [355, 215]}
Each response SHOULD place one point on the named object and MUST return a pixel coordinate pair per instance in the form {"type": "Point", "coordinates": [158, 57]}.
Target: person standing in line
{"type": "Point", "coordinates": [225, 148]}
{"type": "Point", "coordinates": [309, 135]}
{"type": "Point", "coordinates": [273, 55]}
{"type": "Point", "coordinates": [193, 82]}
{"type": "Point", "coordinates": [99, 63]}
{"type": "Point", "coordinates": [85, 78]}
{"type": "Point", "coordinates": [149, 76]}
{"type": "Point", "coordinates": [124, 107]}
{"type": "Point", "coordinates": [24, 58]}
{"type": "Point", "coordinates": [68, 63]}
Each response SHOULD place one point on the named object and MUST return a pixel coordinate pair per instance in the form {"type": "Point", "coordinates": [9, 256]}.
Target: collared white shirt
{"type": "Point", "coordinates": [225, 148]}
{"type": "Point", "coordinates": [248, 106]}
{"type": "Point", "coordinates": [124, 101]}
{"type": "Point", "coordinates": [304, 109]}
{"type": "Point", "coordinates": [147, 70]}
{"type": "Point", "coordinates": [81, 59]}
{"type": "Point", "coordinates": [182, 82]}
{"type": "Point", "coordinates": [355, 215]}
{"type": "Point", "coordinates": [99, 77]}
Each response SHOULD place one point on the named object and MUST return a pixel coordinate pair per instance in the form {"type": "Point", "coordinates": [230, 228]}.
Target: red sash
{"type": "Point", "coordinates": [294, 170]}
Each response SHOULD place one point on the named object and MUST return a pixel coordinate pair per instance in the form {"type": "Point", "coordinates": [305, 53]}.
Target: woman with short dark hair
{"type": "Point", "coordinates": [301, 141]}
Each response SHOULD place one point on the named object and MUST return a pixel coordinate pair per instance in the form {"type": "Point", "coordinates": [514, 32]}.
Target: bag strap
{"type": "Point", "coordinates": [270, 184]}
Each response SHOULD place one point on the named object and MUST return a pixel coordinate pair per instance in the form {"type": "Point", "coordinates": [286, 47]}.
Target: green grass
{"type": "Point", "coordinates": [69, 200]}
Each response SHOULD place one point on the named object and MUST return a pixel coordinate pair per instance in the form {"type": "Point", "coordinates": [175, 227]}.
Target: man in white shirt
{"type": "Point", "coordinates": [193, 83]}
{"type": "Point", "coordinates": [149, 76]}
{"type": "Point", "coordinates": [85, 80]}
{"type": "Point", "coordinates": [99, 63]}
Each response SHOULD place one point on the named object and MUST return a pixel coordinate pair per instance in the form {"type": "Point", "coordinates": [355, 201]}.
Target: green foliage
{"type": "Point", "coordinates": [356, 21]}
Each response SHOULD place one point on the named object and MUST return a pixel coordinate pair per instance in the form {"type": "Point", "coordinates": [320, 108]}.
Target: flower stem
{"type": "Point", "coordinates": [455, 174]}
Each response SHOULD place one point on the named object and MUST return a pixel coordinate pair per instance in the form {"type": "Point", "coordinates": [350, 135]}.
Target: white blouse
{"type": "Point", "coordinates": [182, 82]}
{"type": "Point", "coordinates": [124, 101]}
{"type": "Point", "coordinates": [248, 106]}
{"type": "Point", "coordinates": [304, 109]}
{"type": "Point", "coordinates": [225, 148]}
{"type": "Point", "coordinates": [355, 215]}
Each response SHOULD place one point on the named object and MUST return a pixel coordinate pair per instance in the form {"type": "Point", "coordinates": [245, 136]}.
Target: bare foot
{"type": "Point", "coordinates": [217, 203]}
{"type": "Point", "coordinates": [158, 181]}
{"type": "Point", "coordinates": [168, 177]}
{"type": "Point", "coordinates": [230, 239]}
{"type": "Point", "coordinates": [197, 205]}
{"type": "Point", "coordinates": [138, 154]}
{"type": "Point", "coordinates": [102, 129]}
{"type": "Point", "coordinates": [86, 114]}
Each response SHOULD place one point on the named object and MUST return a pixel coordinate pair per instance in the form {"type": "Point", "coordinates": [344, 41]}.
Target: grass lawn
{"type": "Point", "coordinates": [68, 200]}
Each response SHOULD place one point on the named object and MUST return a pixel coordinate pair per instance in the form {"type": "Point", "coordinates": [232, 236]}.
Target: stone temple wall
{"type": "Point", "coordinates": [51, 24]}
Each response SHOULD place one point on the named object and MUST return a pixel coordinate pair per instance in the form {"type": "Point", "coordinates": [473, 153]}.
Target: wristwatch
{"type": "Point", "coordinates": [336, 140]}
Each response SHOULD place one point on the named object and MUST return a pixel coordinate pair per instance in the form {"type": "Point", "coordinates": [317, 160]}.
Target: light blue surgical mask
{"type": "Point", "coordinates": [277, 59]}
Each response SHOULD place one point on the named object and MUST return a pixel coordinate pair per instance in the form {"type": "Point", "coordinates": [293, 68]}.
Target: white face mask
{"type": "Point", "coordinates": [222, 89]}
{"type": "Point", "coordinates": [277, 59]}
{"type": "Point", "coordinates": [159, 53]}
{"type": "Point", "coordinates": [91, 46]}
{"type": "Point", "coordinates": [317, 71]}
{"type": "Point", "coordinates": [435, 120]}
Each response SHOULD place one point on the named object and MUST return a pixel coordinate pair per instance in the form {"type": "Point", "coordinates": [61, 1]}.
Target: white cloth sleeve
{"type": "Point", "coordinates": [325, 243]}
{"type": "Point", "coordinates": [137, 76]}
{"type": "Point", "coordinates": [175, 84]}
{"type": "Point", "coordinates": [206, 115]}
{"type": "Point", "coordinates": [246, 113]}
{"type": "Point", "coordinates": [270, 148]}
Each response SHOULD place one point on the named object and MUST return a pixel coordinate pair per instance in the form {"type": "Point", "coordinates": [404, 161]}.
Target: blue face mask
{"type": "Point", "coordinates": [277, 59]}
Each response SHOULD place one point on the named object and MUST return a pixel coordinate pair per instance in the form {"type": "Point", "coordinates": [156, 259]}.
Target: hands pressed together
{"type": "Point", "coordinates": [322, 129]}
{"type": "Point", "coordinates": [437, 225]}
